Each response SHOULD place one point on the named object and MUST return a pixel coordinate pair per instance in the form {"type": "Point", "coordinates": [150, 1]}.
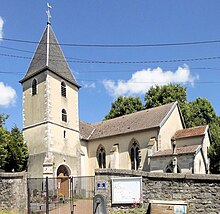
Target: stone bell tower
{"type": "Point", "coordinates": [50, 111]}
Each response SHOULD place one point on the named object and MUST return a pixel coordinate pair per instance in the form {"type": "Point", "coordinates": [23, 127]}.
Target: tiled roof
{"type": "Point", "coordinates": [86, 130]}
{"type": "Point", "coordinates": [190, 132]}
{"type": "Point", "coordinates": [49, 55]}
{"type": "Point", "coordinates": [146, 119]}
{"type": "Point", "coordinates": [179, 151]}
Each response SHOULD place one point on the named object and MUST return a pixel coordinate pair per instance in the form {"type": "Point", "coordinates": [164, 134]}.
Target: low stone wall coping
{"type": "Point", "coordinates": [155, 175]}
{"type": "Point", "coordinates": [15, 175]}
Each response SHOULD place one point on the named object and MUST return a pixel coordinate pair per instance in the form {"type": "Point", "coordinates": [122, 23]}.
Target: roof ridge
{"type": "Point", "coordinates": [48, 53]}
{"type": "Point", "coordinates": [174, 104]}
{"type": "Point", "coordinates": [190, 132]}
{"type": "Point", "coordinates": [138, 121]}
{"type": "Point", "coordinates": [131, 114]}
{"type": "Point", "coordinates": [194, 127]}
{"type": "Point", "coordinates": [57, 44]}
{"type": "Point", "coordinates": [179, 150]}
{"type": "Point", "coordinates": [89, 124]}
{"type": "Point", "coordinates": [187, 146]}
{"type": "Point", "coordinates": [85, 124]}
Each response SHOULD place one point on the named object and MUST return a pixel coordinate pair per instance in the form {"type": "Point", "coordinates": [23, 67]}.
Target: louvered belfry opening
{"type": "Point", "coordinates": [63, 89]}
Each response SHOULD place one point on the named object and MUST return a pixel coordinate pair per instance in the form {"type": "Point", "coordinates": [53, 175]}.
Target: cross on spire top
{"type": "Point", "coordinates": [48, 13]}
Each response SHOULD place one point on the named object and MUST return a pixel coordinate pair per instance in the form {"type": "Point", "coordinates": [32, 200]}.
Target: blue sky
{"type": "Point", "coordinates": [114, 22]}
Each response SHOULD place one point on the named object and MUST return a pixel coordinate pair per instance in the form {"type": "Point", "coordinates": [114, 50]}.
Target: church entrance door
{"type": "Point", "coordinates": [63, 181]}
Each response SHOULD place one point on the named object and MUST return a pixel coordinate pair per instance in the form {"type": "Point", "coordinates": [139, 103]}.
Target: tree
{"type": "Point", "coordinates": [4, 137]}
{"type": "Point", "coordinates": [123, 106]}
{"type": "Point", "coordinates": [17, 152]}
{"type": "Point", "coordinates": [214, 149]}
{"type": "Point", "coordinates": [160, 95]}
{"type": "Point", "coordinates": [3, 118]}
{"type": "Point", "coordinates": [13, 150]}
{"type": "Point", "coordinates": [200, 112]}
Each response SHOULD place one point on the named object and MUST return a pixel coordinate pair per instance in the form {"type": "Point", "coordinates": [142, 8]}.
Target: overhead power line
{"type": "Point", "coordinates": [32, 52]}
{"type": "Point", "coordinates": [118, 45]}
{"type": "Point", "coordinates": [140, 82]}
{"type": "Point", "coordinates": [88, 61]}
{"type": "Point", "coordinates": [117, 71]}
{"type": "Point", "coordinates": [80, 60]}
{"type": "Point", "coordinates": [129, 71]}
{"type": "Point", "coordinates": [158, 82]}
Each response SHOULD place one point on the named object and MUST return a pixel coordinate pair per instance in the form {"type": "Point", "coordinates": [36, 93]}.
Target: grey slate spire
{"type": "Point", "coordinates": [49, 56]}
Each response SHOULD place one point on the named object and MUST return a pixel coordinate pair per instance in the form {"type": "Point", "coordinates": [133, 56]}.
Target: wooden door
{"type": "Point", "coordinates": [63, 186]}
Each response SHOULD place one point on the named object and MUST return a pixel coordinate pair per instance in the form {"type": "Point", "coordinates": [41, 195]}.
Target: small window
{"type": "Point", "coordinates": [64, 115]}
{"type": "Point", "coordinates": [34, 87]}
{"type": "Point", "coordinates": [64, 134]}
{"type": "Point", "coordinates": [63, 89]}
{"type": "Point", "coordinates": [135, 156]}
{"type": "Point", "coordinates": [101, 157]}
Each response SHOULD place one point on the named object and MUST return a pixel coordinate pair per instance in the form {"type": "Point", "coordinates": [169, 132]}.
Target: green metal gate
{"type": "Point", "coordinates": [61, 195]}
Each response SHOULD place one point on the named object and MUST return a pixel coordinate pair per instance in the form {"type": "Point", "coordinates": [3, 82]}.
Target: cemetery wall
{"type": "Point", "coordinates": [13, 192]}
{"type": "Point", "coordinates": [201, 193]}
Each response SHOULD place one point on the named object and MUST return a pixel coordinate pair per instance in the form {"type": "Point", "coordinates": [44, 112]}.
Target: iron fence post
{"type": "Point", "coordinates": [71, 194]}
{"type": "Point", "coordinates": [29, 195]}
{"type": "Point", "coordinates": [47, 197]}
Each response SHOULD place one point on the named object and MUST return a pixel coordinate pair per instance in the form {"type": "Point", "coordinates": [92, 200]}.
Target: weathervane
{"type": "Point", "coordinates": [48, 13]}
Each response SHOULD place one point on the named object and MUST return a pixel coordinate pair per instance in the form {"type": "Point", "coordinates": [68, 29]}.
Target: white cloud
{"type": "Point", "coordinates": [7, 95]}
{"type": "Point", "coordinates": [88, 85]}
{"type": "Point", "coordinates": [1, 27]}
{"type": "Point", "coordinates": [141, 81]}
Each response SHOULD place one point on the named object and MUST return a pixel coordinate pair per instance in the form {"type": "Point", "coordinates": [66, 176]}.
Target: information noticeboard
{"type": "Point", "coordinates": [168, 207]}
{"type": "Point", "coordinates": [127, 190]}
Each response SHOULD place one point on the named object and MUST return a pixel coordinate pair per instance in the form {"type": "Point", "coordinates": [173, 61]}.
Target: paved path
{"type": "Point", "coordinates": [82, 207]}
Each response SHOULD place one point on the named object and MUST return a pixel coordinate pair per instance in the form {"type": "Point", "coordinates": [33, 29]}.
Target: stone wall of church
{"type": "Point", "coordinates": [142, 137]}
{"type": "Point", "coordinates": [200, 192]}
{"type": "Point", "coordinates": [185, 162]}
{"type": "Point", "coordinates": [13, 189]}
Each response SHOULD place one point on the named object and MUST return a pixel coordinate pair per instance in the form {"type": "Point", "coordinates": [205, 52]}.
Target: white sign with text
{"type": "Point", "coordinates": [127, 190]}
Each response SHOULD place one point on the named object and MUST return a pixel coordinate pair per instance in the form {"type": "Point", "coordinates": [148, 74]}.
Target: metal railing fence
{"type": "Point", "coordinates": [61, 195]}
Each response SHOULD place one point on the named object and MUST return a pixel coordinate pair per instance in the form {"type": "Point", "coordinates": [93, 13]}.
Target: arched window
{"type": "Point", "coordinates": [135, 156]}
{"type": "Point", "coordinates": [63, 89]}
{"type": "Point", "coordinates": [170, 168]}
{"type": "Point", "coordinates": [64, 115]}
{"type": "Point", "coordinates": [34, 87]}
{"type": "Point", "coordinates": [101, 156]}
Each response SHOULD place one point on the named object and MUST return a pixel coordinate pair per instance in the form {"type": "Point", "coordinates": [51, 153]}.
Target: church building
{"type": "Point", "coordinates": [153, 140]}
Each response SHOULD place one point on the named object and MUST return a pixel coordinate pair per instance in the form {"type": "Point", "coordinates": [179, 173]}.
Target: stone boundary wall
{"type": "Point", "coordinates": [13, 192]}
{"type": "Point", "coordinates": [200, 192]}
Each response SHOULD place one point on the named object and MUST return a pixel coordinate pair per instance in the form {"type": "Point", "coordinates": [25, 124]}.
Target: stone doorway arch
{"type": "Point", "coordinates": [63, 187]}
{"type": "Point", "coordinates": [63, 170]}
